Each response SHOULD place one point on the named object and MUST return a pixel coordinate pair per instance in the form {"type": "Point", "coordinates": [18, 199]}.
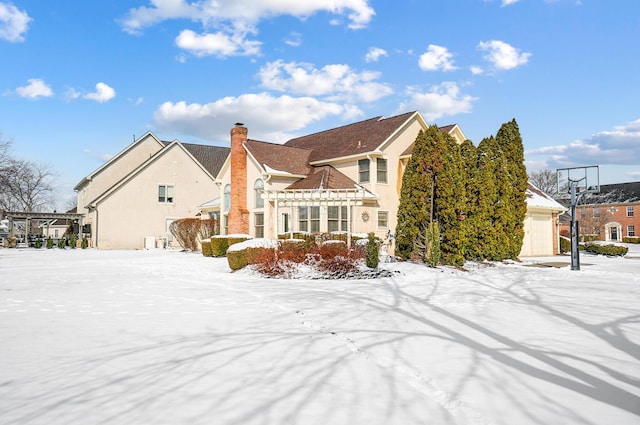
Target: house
{"type": "Point", "coordinates": [346, 179]}
{"type": "Point", "coordinates": [541, 224]}
{"type": "Point", "coordinates": [129, 202]}
{"type": "Point", "coordinates": [610, 215]}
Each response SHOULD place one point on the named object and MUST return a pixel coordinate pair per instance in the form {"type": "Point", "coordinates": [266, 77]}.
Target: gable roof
{"type": "Point", "coordinates": [447, 129]}
{"type": "Point", "coordinates": [210, 157]}
{"type": "Point", "coordinates": [352, 139]}
{"type": "Point", "coordinates": [538, 199]}
{"type": "Point", "coordinates": [119, 155]}
{"type": "Point", "coordinates": [276, 158]}
{"type": "Point", "coordinates": [173, 145]}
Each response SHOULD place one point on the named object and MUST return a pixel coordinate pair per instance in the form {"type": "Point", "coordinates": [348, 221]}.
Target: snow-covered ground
{"type": "Point", "coordinates": [167, 337]}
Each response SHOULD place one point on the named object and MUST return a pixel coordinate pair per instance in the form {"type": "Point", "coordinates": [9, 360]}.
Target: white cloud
{"type": "Point", "coordinates": [502, 55]}
{"type": "Point", "coordinates": [294, 39]}
{"type": "Point", "coordinates": [35, 89]}
{"type": "Point", "coordinates": [508, 2]}
{"type": "Point", "coordinates": [336, 81]}
{"type": "Point", "coordinates": [436, 58]}
{"type": "Point", "coordinates": [443, 100]}
{"type": "Point", "coordinates": [374, 54]}
{"type": "Point", "coordinates": [103, 93]}
{"type": "Point", "coordinates": [234, 19]}
{"type": "Point", "coordinates": [618, 146]}
{"type": "Point", "coordinates": [13, 23]}
{"type": "Point", "coordinates": [218, 44]}
{"type": "Point", "coordinates": [268, 118]}
{"type": "Point", "coordinates": [476, 70]}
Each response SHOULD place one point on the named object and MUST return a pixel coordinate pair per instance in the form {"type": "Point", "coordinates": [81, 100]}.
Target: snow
{"type": "Point", "coordinates": [169, 337]}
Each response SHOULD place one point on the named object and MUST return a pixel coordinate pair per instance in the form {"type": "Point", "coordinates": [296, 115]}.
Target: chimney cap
{"type": "Point", "coordinates": [239, 124]}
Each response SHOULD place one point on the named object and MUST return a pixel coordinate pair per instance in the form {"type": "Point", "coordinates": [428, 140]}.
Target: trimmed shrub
{"type": "Point", "coordinates": [293, 250]}
{"type": "Point", "coordinates": [565, 245]}
{"type": "Point", "coordinates": [85, 243]}
{"type": "Point", "coordinates": [606, 249]}
{"type": "Point", "coordinates": [38, 243]}
{"type": "Point", "coordinates": [219, 245]}
{"type": "Point", "coordinates": [206, 247]}
{"type": "Point", "coordinates": [62, 243]}
{"type": "Point", "coordinates": [372, 247]}
{"type": "Point", "coordinates": [237, 259]}
{"type": "Point", "coordinates": [631, 239]}
{"type": "Point", "coordinates": [237, 239]}
{"type": "Point", "coordinates": [73, 241]}
{"type": "Point", "coordinates": [186, 231]}
{"type": "Point", "coordinates": [49, 243]}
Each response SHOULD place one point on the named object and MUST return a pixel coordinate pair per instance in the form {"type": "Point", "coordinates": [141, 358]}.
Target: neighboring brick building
{"type": "Point", "coordinates": [611, 215]}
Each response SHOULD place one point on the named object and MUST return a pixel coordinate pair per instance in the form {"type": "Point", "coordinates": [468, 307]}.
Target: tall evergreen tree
{"type": "Point", "coordinates": [510, 143]}
{"type": "Point", "coordinates": [450, 201]}
{"type": "Point", "coordinates": [483, 220]}
{"type": "Point", "coordinates": [470, 229]}
{"type": "Point", "coordinates": [414, 209]}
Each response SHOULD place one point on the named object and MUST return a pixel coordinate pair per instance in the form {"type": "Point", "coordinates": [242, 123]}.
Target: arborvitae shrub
{"type": "Point", "coordinates": [372, 258]}
{"type": "Point", "coordinates": [73, 241]}
{"type": "Point", "coordinates": [38, 243]}
{"type": "Point", "coordinates": [49, 243]}
{"type": "Point", "coordinates": [206, 247]}
{"type": "Point", "coordinates": [85, 243]}
{"type": "Point", "coordinates": [609, 249]}
{"type": "Point", "coordinates": [62, 243]}
{"type": "Point", "coordinates": [219, 245]}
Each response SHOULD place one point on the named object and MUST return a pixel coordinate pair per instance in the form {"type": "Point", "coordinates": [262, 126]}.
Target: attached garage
{"type": "Point", "coordinates": [541, 229]}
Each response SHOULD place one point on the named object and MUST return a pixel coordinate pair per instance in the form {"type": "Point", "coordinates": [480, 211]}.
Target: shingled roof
{"type": "Point", "coordinates": [279, 157]}
{"type": "Point", "coordinates": [325, 177]}
{"type": "Point", "coordinates": [615, 193]}
{"type": "Point", "coordinates": [211, 157]}
{"type": "Point", "coordinates": [357, 138]}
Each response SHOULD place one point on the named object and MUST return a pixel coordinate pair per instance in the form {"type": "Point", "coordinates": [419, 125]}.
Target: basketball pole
{"type": "Point", "coordinates": [575, 250]}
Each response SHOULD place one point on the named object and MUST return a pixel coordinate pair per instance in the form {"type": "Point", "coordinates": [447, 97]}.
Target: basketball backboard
{"type": "Point", "coordinates": [585, 179]}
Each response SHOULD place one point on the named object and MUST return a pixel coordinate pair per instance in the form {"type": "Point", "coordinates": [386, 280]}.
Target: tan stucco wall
{"type": "Point", "coordinates": [133, 212]}
{"type": "Point", "coordinates": [127, 161]}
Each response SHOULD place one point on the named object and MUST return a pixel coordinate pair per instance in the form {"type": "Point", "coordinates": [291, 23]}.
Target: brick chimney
{"type": "Point", "coordinates": [238, 213]}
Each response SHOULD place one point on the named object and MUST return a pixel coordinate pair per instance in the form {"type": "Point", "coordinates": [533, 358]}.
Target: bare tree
{"type": "Point", "coordinates": [24, 185]}
{"type": "Point", "coordinates": [546, 181]}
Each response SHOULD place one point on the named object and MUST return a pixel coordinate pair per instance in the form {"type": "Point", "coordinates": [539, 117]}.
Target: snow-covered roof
{"type": "Point", "coordinates": [538, 199]}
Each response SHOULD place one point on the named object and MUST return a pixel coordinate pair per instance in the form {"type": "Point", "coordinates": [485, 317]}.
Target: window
{"type": "Point", "coordinates": [596, 212]}
{"type": "Point", "coordinates": [258, 225]}
{"type": "Point", "coordinates": [227, 197]}
{"type": "Point", "coordinates": [383, 219]}
{"type": "Point", "coordinates": [165, 194]}
{"type": "Point", "coordinates": [258, 188]}
{"type": "Point", "coordinates": [631, 230]}
{"type": "Point", "coordinates": [309, 219]}
{"type": "Point", "coordinates": [214, 215]}
{"type": "Point", "coordinates": [629, 211]}
{"type": "Point", "coordinates": [225, 224]}
{"type": "Point", "coordinates": [337, 219]}
{"type": "Point", "coordinates": [363, 171]}
{"type": "Point", "coordinates": [381, 170]}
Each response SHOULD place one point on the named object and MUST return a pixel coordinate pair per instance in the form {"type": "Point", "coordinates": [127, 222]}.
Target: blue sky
{"type": "Point", "coordinates": [81, 79]}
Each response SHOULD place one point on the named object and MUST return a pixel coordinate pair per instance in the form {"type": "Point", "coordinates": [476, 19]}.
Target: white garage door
{"type": "Point", "coordinates": [538, 235]}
